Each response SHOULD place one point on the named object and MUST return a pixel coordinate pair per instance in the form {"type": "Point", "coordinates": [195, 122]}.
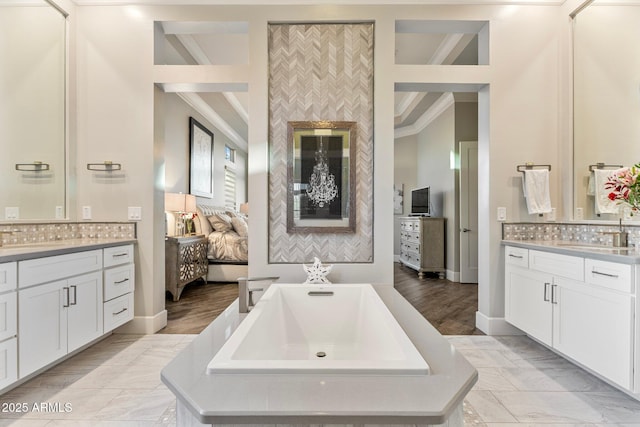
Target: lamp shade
{"type": "Point", "coordinates": [179, 202]}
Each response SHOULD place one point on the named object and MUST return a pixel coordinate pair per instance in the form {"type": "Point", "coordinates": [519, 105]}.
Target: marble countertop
{"type": "Point", "coordinates": [11, 253]}
{"type": "Point", "coordinates": [322, 398]}
{"type": "Point", "coordinates": [630, 255]}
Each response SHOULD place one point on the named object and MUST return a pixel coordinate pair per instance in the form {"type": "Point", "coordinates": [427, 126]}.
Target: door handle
{"type": "Point", "coordinates": [553, 294]}
{"type": "Point", "coordinates": [75, 295]}
{"type": "Point", "coordinates": [65, 303]}
{"type": "Point", "coordinates": [465, 230]}
{"type": "Point", "coordinates": [546, 291]}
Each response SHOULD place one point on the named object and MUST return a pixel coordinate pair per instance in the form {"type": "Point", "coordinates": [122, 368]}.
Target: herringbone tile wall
{"type": "Point", "coordinates": [320, 72]}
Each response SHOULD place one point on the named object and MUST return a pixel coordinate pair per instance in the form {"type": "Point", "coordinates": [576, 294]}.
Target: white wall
{"type": "Point", "coordinates": [435, 143]}
{"type": "Point", "coordinates": [405, 152]}
{"type": "Point", "coordinates": [520, 120]}
{"type": "Point", "coordinates": [176, 153]}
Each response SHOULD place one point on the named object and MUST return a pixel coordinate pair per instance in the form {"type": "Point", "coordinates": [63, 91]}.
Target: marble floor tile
{"type": "Point", "coordinates": [549, 407]}
{"type": "Point", "coordinates": [116, 383]}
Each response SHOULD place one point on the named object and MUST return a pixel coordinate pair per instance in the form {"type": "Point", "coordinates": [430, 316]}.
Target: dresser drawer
{"type": "Point", "coordinates": [568, 266]}
{"type": "Point", "coordinates": [118, 311]}
{"type": "Point", "coordinates": [118, 255]}
{"type": "Point", "coordinates": [608, 274]}
{"type": "Point", "coordinates": [118, 281]}
{"type": "Point", "coordinates": [8, 276]}
{"type": "Point", "coordinates": [411, 247]}
{"type": "Point", "coordinates": [516, 256]}
{"type": "Point", "coordinates": [48, 269]}
{"type": "Point", "coordinates": [412, 237]}
{"type": "Point", "coordinates": [8, 315]}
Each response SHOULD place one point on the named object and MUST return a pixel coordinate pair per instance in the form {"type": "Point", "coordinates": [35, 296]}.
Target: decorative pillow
{"type": "Point", "coordinates": [240, 226]}
{"type": "Point", "coordinates": [220, 222]}
{"type": "Point", "coordinates": [231, 214]}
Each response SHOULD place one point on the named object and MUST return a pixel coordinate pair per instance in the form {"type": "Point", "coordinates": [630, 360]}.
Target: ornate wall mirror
{"type": "Point", "coordinates": [321, 177]}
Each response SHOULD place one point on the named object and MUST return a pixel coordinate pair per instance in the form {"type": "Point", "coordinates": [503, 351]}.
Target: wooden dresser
{"type": "Point", "coordinates": [422, 244]}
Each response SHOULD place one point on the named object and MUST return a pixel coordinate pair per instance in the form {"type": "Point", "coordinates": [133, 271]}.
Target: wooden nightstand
{"type": "Point", "coordinates": [185, 261]}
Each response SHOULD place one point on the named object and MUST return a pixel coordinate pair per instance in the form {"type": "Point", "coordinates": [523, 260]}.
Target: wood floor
{"type": "Point", "coordinates": [450, 307]}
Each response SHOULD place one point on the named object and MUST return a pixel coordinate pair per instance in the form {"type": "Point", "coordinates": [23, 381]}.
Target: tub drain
{"type": "Point", "coordinates": [321, 354]}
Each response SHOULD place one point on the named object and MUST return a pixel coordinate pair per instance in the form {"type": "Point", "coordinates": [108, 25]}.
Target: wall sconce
{"type": "Point", "coordinates": [179, 203]}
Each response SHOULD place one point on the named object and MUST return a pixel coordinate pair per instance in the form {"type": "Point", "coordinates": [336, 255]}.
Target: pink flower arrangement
{"type": "Point", "coordinates": [624, 186]}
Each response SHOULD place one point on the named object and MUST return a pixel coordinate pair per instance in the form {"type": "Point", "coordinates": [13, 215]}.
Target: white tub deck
{"type": "Point", "coordinates": [296, 328]}
{"type": "Point", "coordinates": [317, 398]}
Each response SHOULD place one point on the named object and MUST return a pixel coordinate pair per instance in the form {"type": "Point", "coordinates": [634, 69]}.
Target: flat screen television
{"type": "Point", "coordinates": [420, 202]}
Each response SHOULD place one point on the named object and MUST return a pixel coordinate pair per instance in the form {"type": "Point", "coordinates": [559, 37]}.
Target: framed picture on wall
{"type": "Point", "coordinates": [201, 160]}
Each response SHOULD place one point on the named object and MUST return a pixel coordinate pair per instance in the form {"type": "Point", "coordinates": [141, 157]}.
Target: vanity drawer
{"type": "Point", "coordinates": [8, 276]}
{"type": "Point", "coordinates": [568, 266]}
{"type": "Point", "coordinates": [118, 311]}
{"type": "Point", "coordinates": [48, 269]}
{"type": "Point", "coordinates": [118, 281]}
{"type": "Point", "coordinates": [118, 255]}
{"type": "Point", "coordinates": [608, 274]}
{"type": "Point", "coordinates": [516, 256]}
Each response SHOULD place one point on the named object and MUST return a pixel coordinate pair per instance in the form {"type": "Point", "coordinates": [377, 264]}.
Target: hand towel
{"type": "Point", "coordinates": [536, 190]}
{"type": "Point", "coordinates": [602, 203]}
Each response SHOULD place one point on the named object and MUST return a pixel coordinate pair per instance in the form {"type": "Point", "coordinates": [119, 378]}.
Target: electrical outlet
{"type": "Point", "coordinates": [86, 212]}
{"type": "Point", "coordinates": [12, 212]}
{"type": "Point", "coordinates": [579, 214]}
{"type": "Point", "coordinates": [551, 216]}
{"type": "Point", "coordinates": [502, 214]}
{"type": "Point", "coordinates": [135, 213]}
{"type": "Point", "coordinates": [59, 212]}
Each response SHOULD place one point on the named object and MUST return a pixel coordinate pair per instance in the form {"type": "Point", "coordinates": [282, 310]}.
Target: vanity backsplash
{"type": "Point", "coordinates": [31, 233]}
{"type": "Point", "coordinates": [571, 232]}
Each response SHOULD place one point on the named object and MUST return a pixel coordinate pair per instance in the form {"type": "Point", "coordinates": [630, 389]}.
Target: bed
{"type": "Point", "coordinates": [227, 236]}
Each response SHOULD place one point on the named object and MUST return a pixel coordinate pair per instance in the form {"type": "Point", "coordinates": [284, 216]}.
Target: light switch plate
{"type": "Point", "coordinates": [502, 214]}
{"type": "Point", "coordinates": [11, 212]}
{"type": "Point", "coordinates": [86, 212]}
{"type": "Point", "coordinates": [59, 212]}
{"type": "Point", "coordinates": [135, 213]}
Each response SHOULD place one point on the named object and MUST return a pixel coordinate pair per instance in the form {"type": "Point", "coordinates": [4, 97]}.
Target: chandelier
{"type": "Point", "coordinates": [322, 186]}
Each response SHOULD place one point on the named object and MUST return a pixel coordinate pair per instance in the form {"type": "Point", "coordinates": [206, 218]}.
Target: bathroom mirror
{"type": "Point", "coordinates": [606, 96]}
{"type": "Point", "coordinates": [32, 111]}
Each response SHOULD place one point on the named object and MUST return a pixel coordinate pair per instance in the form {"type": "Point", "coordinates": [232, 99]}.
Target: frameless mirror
{"type": "Point", "coordinates": [606, 98]}
{"type": "Point", "coordinates": [32, 111]}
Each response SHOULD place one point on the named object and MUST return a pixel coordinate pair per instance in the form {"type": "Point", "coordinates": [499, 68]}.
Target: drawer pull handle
{"type": "Point", "coordinates": [121, 281]}
{"type": "Point", "coordinates": [75, 295]}
{"type": "Point", "coordinates": [516, 256]}
{"type": "Point", "coordinates": [615, 276]}
{"type": "Point", "coordinates": [120, 312]}
{"type": "Point", "coordinates": [119, 255]}
{"type": "Point", "coordinates": [553, 294]}
{"type": "Point", "coordinates": [546, 291]}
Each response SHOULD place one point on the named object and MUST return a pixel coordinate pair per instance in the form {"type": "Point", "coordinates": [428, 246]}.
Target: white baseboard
{"type": "Point", "coordinates": [495, 325]}
{"type": "Point", "coordinates": [144, 325]}
{"type": "Point", "coordinates": [453, 276]}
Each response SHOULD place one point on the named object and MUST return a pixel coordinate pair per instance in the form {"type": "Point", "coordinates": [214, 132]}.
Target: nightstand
{"type": "Point", "coordinates": [185, 261]}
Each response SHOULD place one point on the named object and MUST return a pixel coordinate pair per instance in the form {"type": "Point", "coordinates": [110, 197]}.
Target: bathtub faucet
{"type": "Point", "coordinates": [245, 291]}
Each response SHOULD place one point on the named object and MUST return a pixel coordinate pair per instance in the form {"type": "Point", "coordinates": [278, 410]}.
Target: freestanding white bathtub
{"type": "Point", "coordinates": [341, 328]}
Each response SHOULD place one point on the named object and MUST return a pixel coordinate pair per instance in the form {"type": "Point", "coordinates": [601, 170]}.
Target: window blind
{"type": "Point", "coordinates": [229, 188]}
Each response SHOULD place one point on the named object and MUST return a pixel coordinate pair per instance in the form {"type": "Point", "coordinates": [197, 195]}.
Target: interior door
{"type": "Point", "coordinates": [468, 211]}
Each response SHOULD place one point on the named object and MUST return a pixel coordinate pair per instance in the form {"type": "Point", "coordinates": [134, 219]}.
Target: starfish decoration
{"type": "Point", "coordinates": [317, 273]}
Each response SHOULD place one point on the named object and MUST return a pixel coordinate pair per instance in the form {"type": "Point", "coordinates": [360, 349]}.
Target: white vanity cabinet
{"type": "Point", "coordinates": [119, 283]}
{"type": "Point", "coordinates": [60, 316]}
{"type": "Point", "coordinates": [583, 308]}
{"type": "Point", "coordinates": [8, 324]}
